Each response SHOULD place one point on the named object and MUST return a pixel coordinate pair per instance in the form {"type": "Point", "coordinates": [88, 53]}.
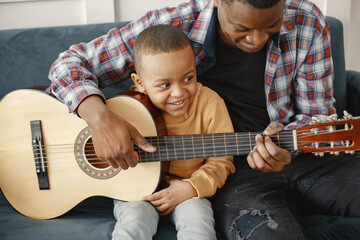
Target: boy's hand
{"type": "Point", "coordinates": [167, 199]}
{"type": "Point", "coordinates": [111, 134]}
{"type": "Point", "coordinates": [267, 156]}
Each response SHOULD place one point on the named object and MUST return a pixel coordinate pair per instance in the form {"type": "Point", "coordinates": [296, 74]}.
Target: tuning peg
{"type": "Point", "coordinates": [332, 117]}
{"type": "Point", "coordinates": [347, 115]}
{"type": "Point", "coordinates": [315, 120]}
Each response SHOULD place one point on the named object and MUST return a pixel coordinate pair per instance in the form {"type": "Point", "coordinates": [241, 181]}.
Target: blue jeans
{"type": "Point", "coordinates": [259, 205]}
{"type": "Point", "coordinates": [193, 219]}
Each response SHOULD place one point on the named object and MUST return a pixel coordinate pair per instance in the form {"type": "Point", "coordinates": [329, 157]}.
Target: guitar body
{"type": "Point", "coordinates": [71, 176]}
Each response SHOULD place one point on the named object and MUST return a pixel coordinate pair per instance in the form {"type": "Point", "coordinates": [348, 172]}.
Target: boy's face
{"type": "Point", "coordinates": [169, 79]}
{"type": "Point", "coordinates": [248, 28]}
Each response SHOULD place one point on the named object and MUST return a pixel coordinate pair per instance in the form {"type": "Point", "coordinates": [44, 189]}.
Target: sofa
{"type": "Point", "coordinates": [25, 59]}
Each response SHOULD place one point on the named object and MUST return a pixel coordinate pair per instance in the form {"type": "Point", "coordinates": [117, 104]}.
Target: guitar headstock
{"type": "Point", "coordinates": [333, 136]}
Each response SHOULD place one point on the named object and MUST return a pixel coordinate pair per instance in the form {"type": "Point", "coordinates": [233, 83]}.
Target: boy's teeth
{"type": "Point", "coordinates": [176, 103]}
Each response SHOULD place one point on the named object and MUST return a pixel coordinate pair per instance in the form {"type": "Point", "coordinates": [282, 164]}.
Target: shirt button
{"type": "Point", "coordinates": [69, 103]}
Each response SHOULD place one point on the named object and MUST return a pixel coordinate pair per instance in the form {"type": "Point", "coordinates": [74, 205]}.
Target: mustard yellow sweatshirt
{"type": "Point", "coordinates": [206, 114]}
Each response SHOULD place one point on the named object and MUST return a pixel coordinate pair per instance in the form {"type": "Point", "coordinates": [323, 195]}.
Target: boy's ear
{"type": "Point", "coordinates": [139, 84]}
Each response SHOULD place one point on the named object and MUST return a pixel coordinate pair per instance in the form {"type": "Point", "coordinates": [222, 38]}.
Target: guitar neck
{"type": "Point", "coordinates": [207, 145]}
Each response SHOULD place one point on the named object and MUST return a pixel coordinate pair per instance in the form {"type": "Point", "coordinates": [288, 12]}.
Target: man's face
{"type": "Point", "coordinates": [242, 26]}
{"type": "Point", "coordinates": [169, 79]}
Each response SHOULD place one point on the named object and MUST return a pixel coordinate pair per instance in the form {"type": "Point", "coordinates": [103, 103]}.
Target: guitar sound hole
{"type": "Point", "coordinates": [91, 156]}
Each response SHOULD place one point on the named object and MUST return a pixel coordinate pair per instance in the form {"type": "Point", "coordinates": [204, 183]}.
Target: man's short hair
{"type": "Point", "coordinates": [158, 39]}
{"type": "Point", "coordinates": [255, 3]}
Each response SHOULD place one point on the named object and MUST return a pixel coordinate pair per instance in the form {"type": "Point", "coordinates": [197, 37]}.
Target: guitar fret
{"type": "Point", "coordinates": [250, 142]}
{"type": "Point", "coordinates": [219, 146]}
{"type": "Point", "coordinates": [237, 144]}
{"type": "Point", "coordinates": [192, 140]}
{"type": "Point", "coordinates": [181, 149]}
{"type": "Point", "coordinates": [203, 147]}
{"type": "Point", "coordinates": [174, 145]}
{"type": "Point", "coordinates": [152, 154]}
{"type": "Point", "coordinates": [159, 149]}
{"type": "Point", "coordinates": [166, 148]}
{"type": "Point", "coordinates": [231, 144]}
{"type": "Point", "coordinates": [225, 144]}
{"type": "Point", "coordinates": [213, 137]}
{"type": "Point", "coordinates": [188, 147]}
{"type": "Point", "coordinates": [208, 145]}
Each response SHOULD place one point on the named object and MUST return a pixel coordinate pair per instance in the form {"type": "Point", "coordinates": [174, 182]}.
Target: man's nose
{"type": "Point", "coordinates": [257, 38]}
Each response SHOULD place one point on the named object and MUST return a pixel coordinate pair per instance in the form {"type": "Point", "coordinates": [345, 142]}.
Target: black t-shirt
{"type": "Point", "coordinates": [238, 77]}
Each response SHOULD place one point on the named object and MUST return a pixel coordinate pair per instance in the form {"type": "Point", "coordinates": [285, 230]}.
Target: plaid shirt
{"type": "Point", "coordinates": [298, 75]}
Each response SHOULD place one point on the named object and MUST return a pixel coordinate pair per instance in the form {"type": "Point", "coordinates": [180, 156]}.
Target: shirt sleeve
{"type": "Point", "coordinates": [313, 86]}
{"type": "Point", "coordinates": [86, 67]}
{"type": "Point", "coordinates": [81, 70]}
{"type": "Point", "coordinates": [213, 173]}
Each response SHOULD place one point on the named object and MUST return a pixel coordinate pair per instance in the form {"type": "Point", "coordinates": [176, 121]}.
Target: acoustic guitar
{"type": "Point", "coordinates": [48, 164]}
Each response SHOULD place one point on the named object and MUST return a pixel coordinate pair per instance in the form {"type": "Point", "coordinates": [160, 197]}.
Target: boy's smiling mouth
{"type": "Point", "coordinates": [178, 102]}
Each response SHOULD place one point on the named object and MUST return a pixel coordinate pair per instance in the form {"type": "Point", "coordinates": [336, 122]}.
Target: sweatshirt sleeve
{"type": "Point", "coordinates": [213, 173]}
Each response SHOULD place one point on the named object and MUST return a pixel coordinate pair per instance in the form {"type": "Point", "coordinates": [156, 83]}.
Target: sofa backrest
{"type": "Point", "coordinates": [337, 50]}
{"type": "Point", "coordinates": [27, 54]}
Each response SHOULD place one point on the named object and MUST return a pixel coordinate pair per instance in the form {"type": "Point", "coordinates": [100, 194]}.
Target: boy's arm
{"type": "Point", "coordinates": [213, 173]}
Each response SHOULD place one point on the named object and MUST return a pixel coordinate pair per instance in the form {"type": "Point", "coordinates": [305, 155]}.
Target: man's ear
{"type": "Point", "coordinates": [139, 84]}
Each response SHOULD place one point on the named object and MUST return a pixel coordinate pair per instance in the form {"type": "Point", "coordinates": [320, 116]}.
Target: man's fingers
{"type": "Point", "coordinates": [282, 155]}
{"type": "Point", "coordinates": [273, 127]}
{"type": "Point", "coordinates": [141, 142]}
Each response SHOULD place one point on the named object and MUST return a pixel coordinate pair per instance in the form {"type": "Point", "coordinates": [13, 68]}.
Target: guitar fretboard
{"type": "Point", "coordinates": [207, 145]}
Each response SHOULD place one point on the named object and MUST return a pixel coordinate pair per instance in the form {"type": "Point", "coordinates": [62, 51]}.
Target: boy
{"type": "Point", "coordinates": [165, 71]}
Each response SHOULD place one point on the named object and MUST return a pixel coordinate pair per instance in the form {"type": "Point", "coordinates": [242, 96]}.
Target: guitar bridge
{"type": "Point", "coordinates": [39, 155]}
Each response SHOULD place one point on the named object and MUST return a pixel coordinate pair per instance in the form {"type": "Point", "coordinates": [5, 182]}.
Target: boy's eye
{"type": "Point", "coordinates": [188, 79]}
{"type": "Point", "coordinates": [164, 85]}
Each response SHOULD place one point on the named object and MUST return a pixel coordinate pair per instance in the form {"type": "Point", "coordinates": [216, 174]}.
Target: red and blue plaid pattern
{"type": "Point", "coordinates": [298, 76]}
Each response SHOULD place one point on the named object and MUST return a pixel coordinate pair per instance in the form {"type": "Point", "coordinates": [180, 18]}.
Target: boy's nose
{"type": "Point", "coordinates": [177, 91]}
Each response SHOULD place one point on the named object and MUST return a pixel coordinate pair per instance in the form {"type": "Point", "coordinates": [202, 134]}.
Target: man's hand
{"type": "Point", "coordinates": [267, 156]}
{"type": "Point", "coordinates": [167, 199]}
{"type": "Point", "coordinates": [111, 134]}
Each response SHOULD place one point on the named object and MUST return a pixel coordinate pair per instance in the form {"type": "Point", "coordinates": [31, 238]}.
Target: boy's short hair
{"type": "Point", "coordinates": [158, 39]}
{"type": "Point", "coordinates": [255, 3]}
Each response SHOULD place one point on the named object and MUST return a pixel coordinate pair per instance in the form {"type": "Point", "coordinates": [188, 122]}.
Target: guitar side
{"type": "Point", "coordinates": [69, 184]}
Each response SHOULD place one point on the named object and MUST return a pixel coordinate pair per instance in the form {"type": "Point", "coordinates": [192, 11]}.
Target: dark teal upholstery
{"type": "Point", "coordinates": [25, 59]}
{"type": "Point", "coordinates": [346, 83]}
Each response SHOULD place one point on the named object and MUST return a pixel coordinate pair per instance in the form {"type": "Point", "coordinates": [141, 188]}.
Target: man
{"type": "Point", "coordinates": [271, 62]}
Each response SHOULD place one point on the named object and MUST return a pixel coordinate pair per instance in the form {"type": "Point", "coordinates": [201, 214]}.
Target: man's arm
{"type": "Point", "coordinates": [313, 96]}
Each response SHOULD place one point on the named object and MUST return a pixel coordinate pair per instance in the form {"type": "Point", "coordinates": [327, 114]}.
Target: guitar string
{"type": "Point", "coordinates": [162, 139]}
{"type": "Point", "coordinates": [91, 160]}
{"type": "Point", "coordinates": [185, 146]}
{"type": "Point", "coordinates": [184, 149]}
{"type": "Point", "coordinates": [159, 144]}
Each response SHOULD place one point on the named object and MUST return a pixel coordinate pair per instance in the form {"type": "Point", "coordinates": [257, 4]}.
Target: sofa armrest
{"type": "Point", "coordinates": [353, 92]}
